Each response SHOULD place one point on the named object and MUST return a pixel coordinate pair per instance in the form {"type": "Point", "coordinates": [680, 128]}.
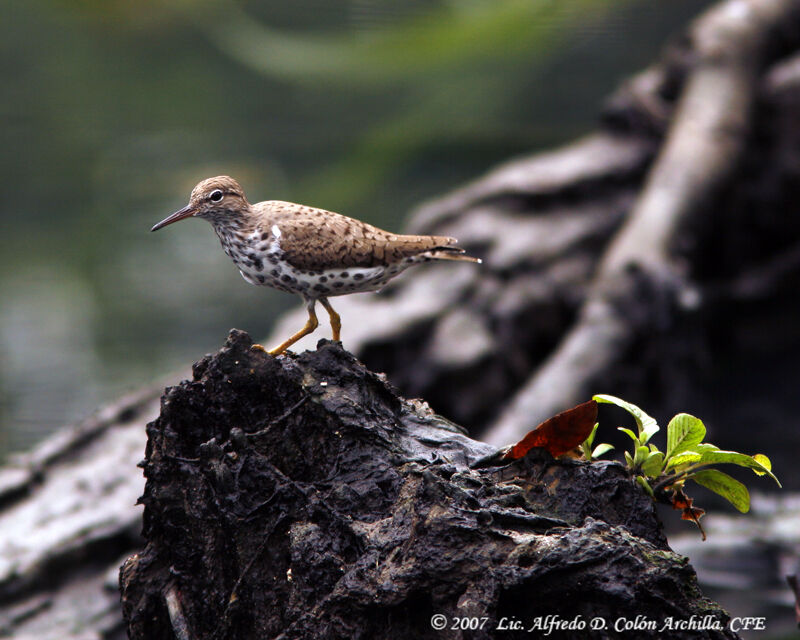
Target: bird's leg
{"type": "Point", "coordinates": [311, 324]}
{"type": "Point", "coordinates": [336, 321]}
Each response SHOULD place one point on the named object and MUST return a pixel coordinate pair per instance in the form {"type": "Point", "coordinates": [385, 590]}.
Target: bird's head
{"type": "Point", "coordinates": [214, 199]}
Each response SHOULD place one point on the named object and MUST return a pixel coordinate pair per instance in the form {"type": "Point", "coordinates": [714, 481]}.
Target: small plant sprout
{"type": "Point", "coordinates": [589, 453]}
{"type": "Point", "coordinates": [663, 474]}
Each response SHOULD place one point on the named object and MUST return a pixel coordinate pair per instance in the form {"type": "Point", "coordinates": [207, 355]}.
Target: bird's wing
{"type": "Point", "coordinates": [315, 239]}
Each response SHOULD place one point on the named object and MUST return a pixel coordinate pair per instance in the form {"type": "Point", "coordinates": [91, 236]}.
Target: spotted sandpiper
{"type": "Point", "coordinates": [312, 252]}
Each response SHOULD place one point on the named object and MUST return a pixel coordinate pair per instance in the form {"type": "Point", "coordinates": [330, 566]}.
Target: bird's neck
{"type": "Point", "coordinates": [231, 222]}
{"type": "Point", "coordinates": [230, 230]}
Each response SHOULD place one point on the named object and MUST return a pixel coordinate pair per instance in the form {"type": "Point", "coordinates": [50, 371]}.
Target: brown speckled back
{"type": "Point", "coordinates": [316, 239]}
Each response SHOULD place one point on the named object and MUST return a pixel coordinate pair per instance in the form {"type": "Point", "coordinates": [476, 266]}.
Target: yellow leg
{"type": "Point", "coordinates": [336, 321]}
{"type": "Point", "coordinates": [311, 324]}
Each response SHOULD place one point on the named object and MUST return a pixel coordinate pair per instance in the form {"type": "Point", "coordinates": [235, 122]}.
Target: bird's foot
{"type": "Point", "coordinates": [270, 352]}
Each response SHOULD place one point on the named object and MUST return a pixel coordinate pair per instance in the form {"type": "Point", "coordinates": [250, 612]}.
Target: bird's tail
{"type": "Point", "coordinates": [431, 247]}
{"type": "Point", "coordinates": [451, 253]}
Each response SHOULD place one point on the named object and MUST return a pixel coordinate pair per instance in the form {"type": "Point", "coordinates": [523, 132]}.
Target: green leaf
{"type": "Point", "coordinates": [647, 425]}
{"type": "Point", "coordinates": [687, 457]}
{"type": "Point", "coordinates": [651, 467]}
{"type": "Point", "coordinates": [718, 456]}
{"type": "Point", "coordinates": [628, 460]}
{"type": "Point", "coordinates": [726, 486]}
{"type": "Point", "coordinates": [683, 433]}
{"type": "Point", "coordinates": [645, 485]}
{"type": "Point", "coordinates": [764, 461]}
{"type": "Point", "coordinates": [586, 445]}
{"type": "Point", "coordinates": [648, 431]}
{"type": "Point", "coordinates": [600, 449]}
{"type": "Point", "coordinates": [641, 455]}
{"type": "Point", "coordinates": [590, 439]}
{"type": "Point", "coordinates": [633, 436]}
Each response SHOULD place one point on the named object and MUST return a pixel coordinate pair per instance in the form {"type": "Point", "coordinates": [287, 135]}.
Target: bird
{"type": "Point", "coordinates": [308, 251]}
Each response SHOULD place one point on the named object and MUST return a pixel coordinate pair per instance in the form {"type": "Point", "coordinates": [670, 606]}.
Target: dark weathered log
{"type": "Point", "coordinates": [301, 497]}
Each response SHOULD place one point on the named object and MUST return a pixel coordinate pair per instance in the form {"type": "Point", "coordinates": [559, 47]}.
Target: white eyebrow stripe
{"type": "Point", "coordinates": [275, 231]}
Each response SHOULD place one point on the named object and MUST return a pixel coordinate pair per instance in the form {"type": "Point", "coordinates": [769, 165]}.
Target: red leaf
{"type": "Point", "coordinates": [684, 503]}
{"type": "Point", "coordinates": [559, 434]}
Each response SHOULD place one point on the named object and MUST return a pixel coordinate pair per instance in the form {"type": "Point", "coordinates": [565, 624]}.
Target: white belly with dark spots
{"type": "Point", "coordinates": [259, 259]}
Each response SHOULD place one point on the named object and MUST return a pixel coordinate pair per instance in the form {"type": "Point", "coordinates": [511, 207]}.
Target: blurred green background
{"type": "Point", "coordinates": [112, 110]}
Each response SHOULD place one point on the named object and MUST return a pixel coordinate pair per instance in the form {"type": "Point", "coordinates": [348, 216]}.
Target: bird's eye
{"type": "Point", "coordinates": [215, 195]}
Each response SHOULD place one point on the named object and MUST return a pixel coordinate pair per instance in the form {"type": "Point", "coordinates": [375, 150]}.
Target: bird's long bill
{"type": "Point", "coordinates": [187, 211]}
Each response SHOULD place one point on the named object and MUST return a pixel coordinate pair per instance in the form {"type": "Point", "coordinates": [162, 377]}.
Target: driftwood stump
{"type": "Point", "coordinates": [301, 497]}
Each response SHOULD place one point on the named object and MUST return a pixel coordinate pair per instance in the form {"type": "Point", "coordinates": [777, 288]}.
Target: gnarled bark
{"type": "Point", "coordinates": [301, 497]}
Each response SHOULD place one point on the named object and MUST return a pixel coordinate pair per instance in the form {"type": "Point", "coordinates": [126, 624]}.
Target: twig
{"type": "Point", "coordinates": [280, 418]}
{"type": "Point", "coordinates": [179, 624]}
{"type": "Point", "coordinates": [225, 622]}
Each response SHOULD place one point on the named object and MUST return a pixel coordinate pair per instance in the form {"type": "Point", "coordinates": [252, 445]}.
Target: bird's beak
{"type": "Point", "coordinates": [186, 212]}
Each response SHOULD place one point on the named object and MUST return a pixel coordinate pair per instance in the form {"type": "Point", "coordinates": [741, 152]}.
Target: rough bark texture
{"type": "Point", "coordinates": [301, 497]}
{"type": "Point", "coordinates": [720, 320]}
